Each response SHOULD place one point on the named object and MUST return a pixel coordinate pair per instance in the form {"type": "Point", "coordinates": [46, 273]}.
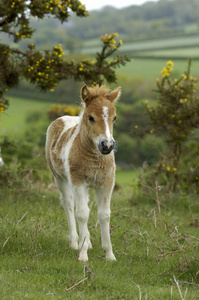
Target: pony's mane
{"type": "Point", "coordinates": [98, 91]}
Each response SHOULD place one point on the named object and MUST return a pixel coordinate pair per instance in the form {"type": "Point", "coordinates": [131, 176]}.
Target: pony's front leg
{"type": "Point", "coordinates": [82, 214]}
{"type": "Point", "coordinates": [103, 198]}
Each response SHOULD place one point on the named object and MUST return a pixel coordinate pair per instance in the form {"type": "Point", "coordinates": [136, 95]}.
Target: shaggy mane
{"type": "Point", "coordinates": [98, 91]}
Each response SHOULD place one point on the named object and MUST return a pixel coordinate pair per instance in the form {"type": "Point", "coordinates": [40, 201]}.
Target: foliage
{"type": "Point", "coordinates": [24, 156]}
{"type": "Point", "coordinates": [137, 80]}
{"type": "Point", "coordinates": [59, 110]}
{"type": "Point", "coordinates": [45, 69]}
{"type": "Point", "coordinates": [175, 116]}
{"type": "Point", "coordinates": [66, 91]}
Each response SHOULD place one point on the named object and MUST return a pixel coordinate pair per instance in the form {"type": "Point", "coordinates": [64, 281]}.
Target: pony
{"type": "Point", "coordinates": [80, 153]}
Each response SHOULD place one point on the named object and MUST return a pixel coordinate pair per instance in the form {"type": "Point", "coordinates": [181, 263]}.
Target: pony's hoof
{"type": "Point", "coordinates": [90, 245]}
{"type": "Point", "coordinates": [83, 257]}
{"type": "Point", "coordinates": [110, 257]}
{"type": "Point", "coordinates": [74, 244]}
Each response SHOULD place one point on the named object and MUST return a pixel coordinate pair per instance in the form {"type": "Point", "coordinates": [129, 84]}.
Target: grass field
{"type": "Point", "coordinates": [151, 68]}
{"type": "Point", "coordinates": [185, 46]}
{"type": "Point", "coordinates": [176, 53]}
{"type": "Point", "coordinates": [13, 120]}
{"type": "Point", "coordinates": [153, 247]}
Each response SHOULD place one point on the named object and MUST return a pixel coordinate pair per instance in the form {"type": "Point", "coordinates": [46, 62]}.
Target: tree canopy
{"type": "Point", "coordinates": [46, 68]}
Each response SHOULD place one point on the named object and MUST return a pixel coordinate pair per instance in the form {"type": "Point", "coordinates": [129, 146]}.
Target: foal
{"type": "Point", "coordinates": [79, 154]}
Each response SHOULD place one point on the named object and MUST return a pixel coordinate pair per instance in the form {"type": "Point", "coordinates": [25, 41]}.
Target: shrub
{"type": "Point", "coordinates": [59, 110]}
{"type": "Point", "coordinates": [175, 117]}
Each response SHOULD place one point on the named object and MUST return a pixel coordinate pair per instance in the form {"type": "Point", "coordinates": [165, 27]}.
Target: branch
{"type": "Point", "coordinates": [3, 21]}
{"type": "Point", "coordinates": [76, 284]}
{"type": "Point", "coordinates": [7, 19]}
{"type": "Point", "coordinates": [18, 52]}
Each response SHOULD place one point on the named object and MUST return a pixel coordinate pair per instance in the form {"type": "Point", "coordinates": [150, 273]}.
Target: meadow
{"type": "Point", "coordinates": [13, 120]}
{"type": "Point", "coordinates": [149, 56]}
{"type": "Point", "coordinates": [154, 236]}
{"type": "Point", "coordinates": [151, 68]}
{"type": "Point", "coordinates": [173, 47]}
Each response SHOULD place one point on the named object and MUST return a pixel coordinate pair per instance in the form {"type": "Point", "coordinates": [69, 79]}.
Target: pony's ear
{"type": "Point", "coordinates": [114, 95]}
{"type": "Point", "coordinates": [85, 94]}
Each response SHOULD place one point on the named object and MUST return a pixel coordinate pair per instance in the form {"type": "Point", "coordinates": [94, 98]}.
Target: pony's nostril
{"type": "Point", "coordinates": [113, 144]}
{"type": "Point", "coordinates": [104, 143]}
{"type": "Point", "coordinates": [108, 144]}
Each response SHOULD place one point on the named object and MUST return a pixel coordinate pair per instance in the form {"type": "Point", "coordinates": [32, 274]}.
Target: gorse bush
{"type": "Point", "coordinates": [59, 110]}
{"type": "Point", "coordinates": [175, 117]}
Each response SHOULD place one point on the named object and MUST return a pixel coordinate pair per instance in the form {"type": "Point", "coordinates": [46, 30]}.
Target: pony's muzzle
{"type": "Point", "coordinates": [105, 146]}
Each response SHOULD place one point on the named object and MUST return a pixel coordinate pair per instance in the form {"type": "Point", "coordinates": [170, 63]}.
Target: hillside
{"type": "Point", "coordinates": [150, 20]}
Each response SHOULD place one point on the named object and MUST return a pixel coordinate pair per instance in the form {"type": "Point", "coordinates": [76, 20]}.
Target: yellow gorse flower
{"type": "Point", "coordinates": [109, 40]}
{"type": "Point", "coordinates": [168, 69]}
{"type": "Point", "coordinates": [58, 50]}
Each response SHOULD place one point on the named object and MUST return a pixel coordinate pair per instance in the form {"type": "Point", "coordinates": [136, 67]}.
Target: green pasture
{"type": "Point", "coordinates": [176, 53]}
{"type": "Point", "coordinates": [156, 249]}
{"type": "Point", "coordinates": [151, 68]}
{"type": "Point", "coordinates": [14, 118]}
{"type": "Point", "coordinates": [181, 46]}
{"type": "Point", "coordinates": [172, 43]}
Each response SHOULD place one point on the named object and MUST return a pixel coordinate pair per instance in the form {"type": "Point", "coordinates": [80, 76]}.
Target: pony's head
{"type": "Point", "coordinates": [99, 115]}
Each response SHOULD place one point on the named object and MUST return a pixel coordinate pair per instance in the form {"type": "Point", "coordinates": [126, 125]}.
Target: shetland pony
{"type": "Point", "coordinates": [79, 152]}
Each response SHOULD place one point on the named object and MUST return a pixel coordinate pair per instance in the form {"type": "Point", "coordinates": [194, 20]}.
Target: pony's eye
{"type": "Point", "coordinates": [91, 118]}
{"type": "Point", "coordinates": [114, 118]}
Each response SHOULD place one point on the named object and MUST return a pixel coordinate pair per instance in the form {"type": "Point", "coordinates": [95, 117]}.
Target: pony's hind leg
{"type": "Point", "coordinates": [82, 214]}
{"type": "Point", "coordinates": [67, 201]}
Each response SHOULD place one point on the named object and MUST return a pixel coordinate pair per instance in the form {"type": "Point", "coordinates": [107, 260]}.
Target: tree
{"type": "Point", "coordinates": [45, 69]}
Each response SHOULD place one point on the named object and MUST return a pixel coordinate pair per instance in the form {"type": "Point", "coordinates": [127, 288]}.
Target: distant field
{"type": "Point", "coordinates": [166, 43]}
{"type": "Point", "coordinates": [174, 47]}
{"type": "Point", "coordinates": [177, 53]}
{"type": "Point", "coordinates": [151, 68]}
{"type": "Point", "coordinates": [13, 120]}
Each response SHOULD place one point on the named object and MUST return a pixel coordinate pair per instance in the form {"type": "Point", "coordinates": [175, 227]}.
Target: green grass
{"type": "Point", "coordinates": [150, 247]}
{"type": "Point", "coordinates": [13, 120]}
{"type": "Point", "coordinates": [180, 53]}
{"type": "Point", "coordinates": [126, 177]}
{"type": "Point", "coordinates": [151, 68]}
{"type": "Point", "coordinates": [156, 47]}
{"type": "Point", "coordinates": [177, 42]}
